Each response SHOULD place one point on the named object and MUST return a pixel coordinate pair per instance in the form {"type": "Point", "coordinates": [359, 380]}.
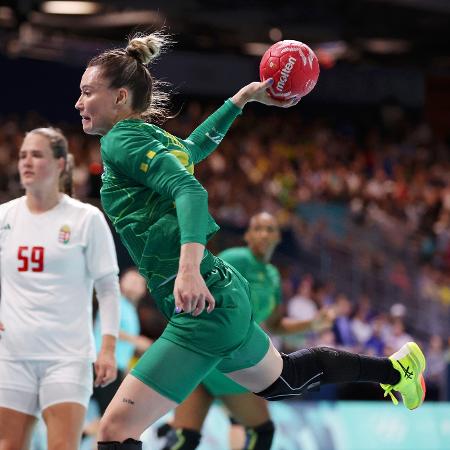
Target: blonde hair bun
{"type": "Point", "coordinates": [146, 48]}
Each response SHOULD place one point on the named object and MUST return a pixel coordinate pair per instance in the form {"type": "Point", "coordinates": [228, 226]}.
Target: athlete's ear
{"type": "Point", "coordinates": [122, 97]}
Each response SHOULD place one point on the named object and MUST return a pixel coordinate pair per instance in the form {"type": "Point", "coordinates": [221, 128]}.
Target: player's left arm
{"type": "Point", "coordinates": [207, 136]}
{"type": "Point", "coordinates": [107, 291]}
{"type": "Point", "coordinates": [102, 266]}
{"type": "Point", "coordinates": [168, 177]}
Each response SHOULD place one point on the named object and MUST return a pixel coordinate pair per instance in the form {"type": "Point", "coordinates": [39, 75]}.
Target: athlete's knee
{"type": "Point", "coordinates": [112, 428]}
{"type": "Point", "coordinates": [260, 437]}
{"type": "Point", "coordinates": [301, 372]}
{"type": "Point", "coordinates": [306, 369]}
{"type": "Point", "coordinates": [107, 429]}
{"type": "Point", "coordinates": [180, 439]}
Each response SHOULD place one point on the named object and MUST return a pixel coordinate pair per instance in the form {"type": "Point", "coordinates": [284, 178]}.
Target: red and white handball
{"type": "Point", "coordinates": [294, 68]}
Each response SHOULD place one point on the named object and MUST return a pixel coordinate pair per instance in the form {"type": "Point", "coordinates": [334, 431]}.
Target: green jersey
{"type": "Point", "coordinates": [151, 196]}
{"type": "Point", "coordinates": [263, 278]}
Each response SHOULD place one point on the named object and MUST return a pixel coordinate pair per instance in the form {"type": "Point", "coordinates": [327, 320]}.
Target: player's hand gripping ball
{"type": "Point", "coordinates": [294, 68]}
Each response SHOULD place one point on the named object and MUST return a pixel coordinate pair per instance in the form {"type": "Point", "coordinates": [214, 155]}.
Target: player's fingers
{"type": "Point", "coordinates": [265, 84]}
{"type": "Point", "coordinates": [275, 102]}
{"type": "Point", "coordinates": [211, 302]}
{"type": "Point", "coordinates": [193, 303]}
{"type": "Point", "coordinates": [178, 301]}
{"type": "Point", "coordinates": [99, 374]}
{"type": "Point", "coordinates": [291, 102]}
{"type": "Point", "coordinates": [110, 376]}
{"type": "Point", "coordinates": [200, 305]}
{"type": "Point", "coordinates": [188, 302]}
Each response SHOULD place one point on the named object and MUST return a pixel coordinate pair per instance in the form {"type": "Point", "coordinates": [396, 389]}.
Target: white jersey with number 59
{"type": "Point", "coordinates": [48, 264]}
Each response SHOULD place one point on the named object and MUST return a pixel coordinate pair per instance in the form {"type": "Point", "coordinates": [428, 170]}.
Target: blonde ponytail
{"type": "Point", "coordinates": [148, 47]}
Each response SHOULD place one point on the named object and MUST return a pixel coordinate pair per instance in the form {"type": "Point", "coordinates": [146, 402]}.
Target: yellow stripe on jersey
{"type": "Point", "coordinates": [151, 154]}
{"type": "Point", "coordinates": [183, 157]}
{"type": "Point", "coordinates": [173, 139]}
{"type": "Point", "coordinates": [143, 167]}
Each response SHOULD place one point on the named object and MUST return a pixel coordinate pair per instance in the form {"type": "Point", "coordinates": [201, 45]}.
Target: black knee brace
{"type": "Point", "coordinates": [306, 369]}
{"type": "Point", "coordinates": [128, 444]}
{"type": "Point", "coordinates": [181, 439]}
{"type": "Point", "coordinates": [259, 438]}
{"type": "Point", "coordinates": [300, 373]}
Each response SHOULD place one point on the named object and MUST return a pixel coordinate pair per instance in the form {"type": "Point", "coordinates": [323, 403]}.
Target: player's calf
{"type": "Point", "coordinates": [307, 369]}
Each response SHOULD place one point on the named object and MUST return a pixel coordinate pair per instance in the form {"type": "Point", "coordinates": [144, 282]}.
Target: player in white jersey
{"type": "Point", "coordinates": [53, 251]}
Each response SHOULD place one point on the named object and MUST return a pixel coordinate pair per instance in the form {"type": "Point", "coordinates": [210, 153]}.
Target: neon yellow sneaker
{"type": "Point", "coordinates": [410, 362]}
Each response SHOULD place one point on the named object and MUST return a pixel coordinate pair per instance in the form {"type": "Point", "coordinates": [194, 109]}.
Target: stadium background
{"type": "Point", "coordinates": [358, 173]}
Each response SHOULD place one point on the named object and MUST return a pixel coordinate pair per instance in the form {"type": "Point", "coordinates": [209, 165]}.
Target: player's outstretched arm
{"type": "Point", "coordinates": [257, 92]}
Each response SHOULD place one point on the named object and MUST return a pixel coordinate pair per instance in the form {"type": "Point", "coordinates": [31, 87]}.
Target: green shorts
{"type": "Point", "coordinates": [218, 384]}
{"type": "Point", "coordinates": [191, 347]}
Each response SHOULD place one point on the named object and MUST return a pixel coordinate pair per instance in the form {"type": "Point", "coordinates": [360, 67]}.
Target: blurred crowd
{"type": "Point", "coordinates": [360, 326]}
{"type": "Point", "coordinates": [378, 183]}
{"type": "Point", "coordinates": [388, 169]}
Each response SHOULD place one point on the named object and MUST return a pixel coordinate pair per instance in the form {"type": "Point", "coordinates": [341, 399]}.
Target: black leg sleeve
{"type": "Point", "coordinates": [308, 368]}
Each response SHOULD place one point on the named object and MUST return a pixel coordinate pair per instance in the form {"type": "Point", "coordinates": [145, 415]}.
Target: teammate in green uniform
{"type": "Point", "coordinates": [161, 213]}
{"type": "Point", "coordinates": [262, 236]}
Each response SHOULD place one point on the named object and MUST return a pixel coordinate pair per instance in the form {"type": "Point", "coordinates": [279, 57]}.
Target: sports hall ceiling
{"type": "Point", "coordinates": [390, 32]}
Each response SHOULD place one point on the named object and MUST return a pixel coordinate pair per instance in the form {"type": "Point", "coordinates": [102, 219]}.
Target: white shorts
{"type": "Point", "coordinates": [32, 386]}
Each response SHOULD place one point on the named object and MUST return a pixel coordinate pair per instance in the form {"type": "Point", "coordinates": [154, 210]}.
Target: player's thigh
{"type": "Point", "coordinates": [164, 376]}
{"type": "Point", "coordinates": [64, 393]}
{"type": "Point", "coordinates": [18, 403]}
{"type": "Point", "coordinates": [217, 384]}
{"type": "Point", "coordinates": [133, 409]}
{"type": "Point", "coordinates": [103, 395]}
{"type": "Point", "coordinates": [66, 381]}
{"type": "Point", "coordinates": [15, 429]}
{"type": "Point", "coordinates": [173, 370]}
{"type": "Point", "coordinates": [262, 374]}
{"type": "Point", "coordinates": [19, 386]}
{"type": "Point", "coordinates": [247, 409]}
{"type": "Point", "coordinates": [64, 423]}
{"type": "Point", "coordinates": [192, 412]}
